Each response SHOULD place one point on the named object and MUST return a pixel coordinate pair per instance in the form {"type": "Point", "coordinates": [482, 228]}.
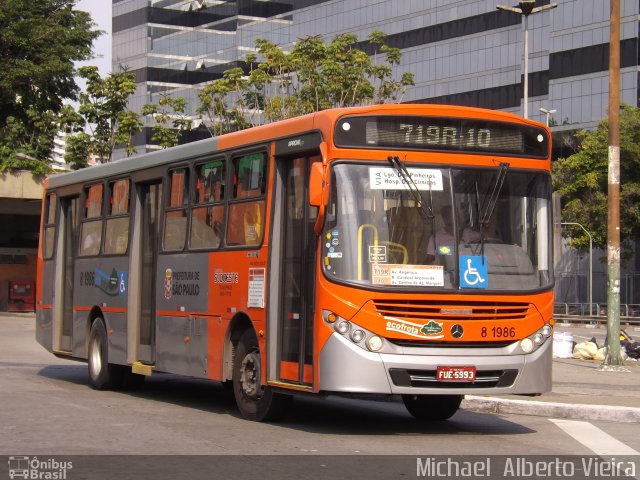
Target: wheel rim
{"type": "Point", "coordinates": [250, 375]}
{"type": "Point", "coordinates": [95, 363]}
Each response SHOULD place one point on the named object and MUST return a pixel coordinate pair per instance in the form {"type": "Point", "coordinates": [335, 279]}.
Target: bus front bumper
{"type": "Point", "coordinates": [345, 367]}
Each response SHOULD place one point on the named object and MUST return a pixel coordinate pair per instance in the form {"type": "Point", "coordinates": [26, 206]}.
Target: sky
{"type": "Point", "coordinates": [100, 11]}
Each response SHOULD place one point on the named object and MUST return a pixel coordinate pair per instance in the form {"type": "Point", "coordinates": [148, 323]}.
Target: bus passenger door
{"type": "Point", "coordinates": [70, 223]}
{"type": "Point", "coordinates": [298, 247]}
{"type": "Point", "coordinates": [150, 196]}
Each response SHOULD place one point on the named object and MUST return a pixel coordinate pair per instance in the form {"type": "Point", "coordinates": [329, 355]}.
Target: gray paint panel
{"type": "Point", "coordinates": [182, 283]}
{"type": "Point", "coordinates": [48, 282]}
{"type": "Point", "coordinates": [80, 334]}
{"type": "Point", "coordinates": [44, 329]}
{"type": "Point", "coordinates": [101, 281]}
{"type": "Point", "coordinates": [117, 323]}
{"type": "Point", "coordinates": [182, 345]}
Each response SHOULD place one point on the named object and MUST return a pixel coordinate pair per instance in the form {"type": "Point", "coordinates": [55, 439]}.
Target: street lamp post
{"type": "Point", "coordinates": [548, 113]}
{"type": "Point", "coordinates": [590, 262]}
{"type": "Point", "coordinates": [526, 8]}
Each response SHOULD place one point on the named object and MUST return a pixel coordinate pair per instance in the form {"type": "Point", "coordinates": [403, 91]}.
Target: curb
{"type": "Point", "coordinates": [576, 411]}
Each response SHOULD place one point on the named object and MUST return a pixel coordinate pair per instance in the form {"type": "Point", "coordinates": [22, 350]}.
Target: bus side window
{"type": "Point", "coordinates": [49, 226]}
{"type": "Point", "coordinates": [246, 211]}
{"type": "Point", "coordinates": [117, 226]}
{"type": "Point", "coordinates": [91, 230]}
{"type": "Point", "coordinates": [175, 223]}
{"type": "Point", "coordinates": [207, 211]}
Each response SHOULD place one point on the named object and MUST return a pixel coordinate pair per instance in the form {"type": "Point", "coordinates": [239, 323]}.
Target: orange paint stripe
{"type": "Point", "coordinates": [44, 307]}
{"type": "Point", "coordinates": [177, 313]}
{"type": "Point", "coordinates": [80, 308]}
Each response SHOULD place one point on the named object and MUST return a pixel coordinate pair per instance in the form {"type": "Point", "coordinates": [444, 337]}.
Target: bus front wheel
{"type": "Point", "coordinates": [102, 374]}
{"type": "Point", "coordinates": [432, 407]}
{"type": "Point", "coordinates": [255, 401]}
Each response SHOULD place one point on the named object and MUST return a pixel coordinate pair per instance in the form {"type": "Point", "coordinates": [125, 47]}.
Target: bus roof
{"type": "Point", "coordinates": [323, 120]}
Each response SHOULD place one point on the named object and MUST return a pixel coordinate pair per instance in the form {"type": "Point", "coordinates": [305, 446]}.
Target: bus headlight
{"type": "Point", "coordinates": [536, 339]}
{"type": "Point", "coordinates": [357, 336]}
{"type": "Point", "coordinates": [374, 343]}
{"type": "Point", "coordinates": [342, 327]}
{"type": "Point", "coordinates": [526, 345]}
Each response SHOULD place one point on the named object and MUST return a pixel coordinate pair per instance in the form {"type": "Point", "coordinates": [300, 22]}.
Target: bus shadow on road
{"type": "Point", "coordinates": [330, 415]}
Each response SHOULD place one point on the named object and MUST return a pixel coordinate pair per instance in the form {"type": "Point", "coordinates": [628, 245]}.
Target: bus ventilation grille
{"type": "Point", "coordinates": [422, 310]}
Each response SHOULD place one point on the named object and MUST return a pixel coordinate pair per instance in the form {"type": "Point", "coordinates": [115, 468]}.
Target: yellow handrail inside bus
{"type": "Point", "coordinates": [375, 243]}
{"type": "Point", "coordinates": [401, 247]}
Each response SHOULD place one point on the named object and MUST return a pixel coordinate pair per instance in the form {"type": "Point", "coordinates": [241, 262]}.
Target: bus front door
{"type": "Point", "coordinates": [295, 350]}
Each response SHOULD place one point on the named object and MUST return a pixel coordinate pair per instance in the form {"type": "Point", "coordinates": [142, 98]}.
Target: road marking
{"type": "Point", "coordinates": [601, 443]}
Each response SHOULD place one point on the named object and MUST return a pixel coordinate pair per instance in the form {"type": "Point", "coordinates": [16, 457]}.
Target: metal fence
{"type": "Point", "coordinates": [595, 313]}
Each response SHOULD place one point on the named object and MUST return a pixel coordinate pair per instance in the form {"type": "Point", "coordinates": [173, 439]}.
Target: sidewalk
{"type": "Point", "coordinates": [580, 391]}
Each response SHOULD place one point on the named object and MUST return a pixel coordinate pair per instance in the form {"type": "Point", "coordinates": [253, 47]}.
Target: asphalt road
{"type": "Point", "coordinates": [48, 409]}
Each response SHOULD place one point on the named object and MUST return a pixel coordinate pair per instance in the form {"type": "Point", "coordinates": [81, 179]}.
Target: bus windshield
{"type": "Point", "coordinates": [486, 229]}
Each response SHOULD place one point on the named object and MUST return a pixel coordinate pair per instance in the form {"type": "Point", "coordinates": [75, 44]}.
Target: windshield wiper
{"type": "Point", "coordinates": [490, 202]}
{"type": "Point", "coordinates": [425, 210]}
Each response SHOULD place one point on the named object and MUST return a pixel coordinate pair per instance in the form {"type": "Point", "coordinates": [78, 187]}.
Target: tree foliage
{"type": "Point", "coordinates": [170, 120]}
{"type": "Point", "coordinates": [103, 108]}
{"type": "Point", "coordinates": [39, 42]}
{"type": "Point", "coordinates": [582, 180]}
{"type": "Point", "coordinates": [313, 76]}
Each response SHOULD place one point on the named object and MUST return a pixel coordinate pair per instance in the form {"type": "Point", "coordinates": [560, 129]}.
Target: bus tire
{"type": "Point", "coordinates": [432, 407]}
{"type": "Point", "coordinates": [255, 401]}
{"type": "Point", "coordinates": [102, 374]}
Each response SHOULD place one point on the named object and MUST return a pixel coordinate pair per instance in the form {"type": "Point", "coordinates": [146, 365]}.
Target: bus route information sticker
{"type": "Point", "coordinates": [407, 275]}
{"type": "Point", "coordinates": [256, 288]}
{"type": "Point", "coordinates": [385, 178]}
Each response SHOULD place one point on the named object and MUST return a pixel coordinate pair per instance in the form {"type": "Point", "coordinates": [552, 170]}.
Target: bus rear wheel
{"type": "Point", "coordinates": [432, 407]}
{"type": "Point", "coordinates": [102, 374]}
{"type": "Point", "coordinates": [255, 401]}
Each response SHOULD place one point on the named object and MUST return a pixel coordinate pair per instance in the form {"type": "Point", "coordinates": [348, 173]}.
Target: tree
{"type": "Point", "coordinates": [168, 111]}
{"type": "Point", "coordinates": [104, 113]}
{"type": "Point", "coordinates": [314, 76]}
{"type": "Point", "coordinates": [28, 145]}
{"type": "Point", "coordinates": [39, 42]}
{"type": "Point", "coordinates": [582, 180]}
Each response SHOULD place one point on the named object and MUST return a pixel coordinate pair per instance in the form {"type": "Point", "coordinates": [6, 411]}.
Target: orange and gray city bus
{"type": "Point", "coordinates": [400, 250]}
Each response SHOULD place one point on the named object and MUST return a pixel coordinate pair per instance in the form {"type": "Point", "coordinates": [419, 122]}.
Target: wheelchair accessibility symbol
{"type": "Point", "coordinates": [473, 272]}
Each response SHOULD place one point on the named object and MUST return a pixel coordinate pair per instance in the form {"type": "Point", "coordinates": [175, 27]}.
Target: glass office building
{"type": "Point", "coordinates": [462, 52]}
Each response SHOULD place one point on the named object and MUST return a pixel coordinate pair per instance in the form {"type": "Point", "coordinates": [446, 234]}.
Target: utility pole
{"type": "Point", "coordinates": [526, 8]}
{"type": "Point", "coordinates": [613, 360]}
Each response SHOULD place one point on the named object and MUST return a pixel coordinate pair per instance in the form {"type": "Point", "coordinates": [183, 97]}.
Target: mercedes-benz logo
{"type": "Point", "coordinates": [457, 331]}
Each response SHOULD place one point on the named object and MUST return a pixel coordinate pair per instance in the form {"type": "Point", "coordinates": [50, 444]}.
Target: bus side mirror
{"type": "Point", "coordinates": [316, 184]}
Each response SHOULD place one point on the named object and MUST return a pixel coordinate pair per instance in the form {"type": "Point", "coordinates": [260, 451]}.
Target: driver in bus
{"type": "Point", "coordinates": [442, 242]}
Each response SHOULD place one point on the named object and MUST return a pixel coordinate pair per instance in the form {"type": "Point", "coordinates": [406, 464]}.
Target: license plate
{"type": "Point", "coordinates": [455, 374]}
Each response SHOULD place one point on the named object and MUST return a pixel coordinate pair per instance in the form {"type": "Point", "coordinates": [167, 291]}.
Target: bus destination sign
{"type": "Point", "coordinates": [442, 134]}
